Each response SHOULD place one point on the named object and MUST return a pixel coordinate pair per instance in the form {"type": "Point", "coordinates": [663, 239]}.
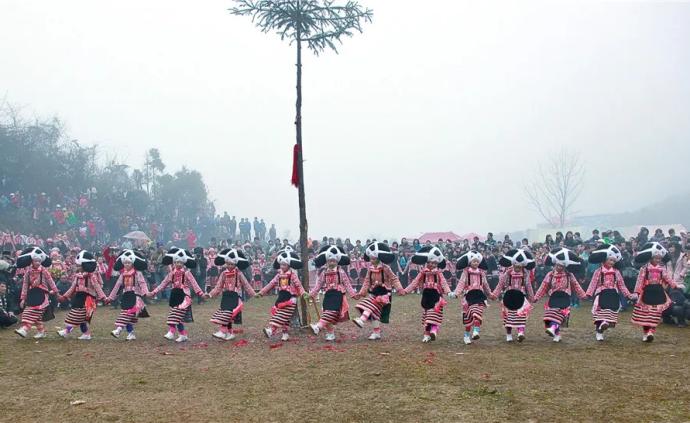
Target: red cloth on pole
{"type": "Point", "coordinates": [295, 173]}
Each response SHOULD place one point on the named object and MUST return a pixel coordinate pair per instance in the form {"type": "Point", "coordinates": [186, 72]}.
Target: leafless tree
{"type": "Point", "coordinates": [557, 186]}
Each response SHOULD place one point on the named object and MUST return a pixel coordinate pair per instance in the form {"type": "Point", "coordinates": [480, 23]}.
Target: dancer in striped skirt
{"type": "Point", "coordinates": [474, 289]}
{"type": "Point", "coordinates": [377, 285]}
{"type": "Point", "coordinates": [230, 283]}
{"type": "Point", "coordinates": [434, 287]}
{"type": "Point", "coordinates": [516, 287]}
{"type": "Point", "coordinates": [651, 286]}
{"type": "Point", "coordinates": [182, 282]}
{"type": "Point", "coordinates": [606, 286]}
{"type": "Point", "coordinates": [289, 288]}
{"type": "Point", "coordinates": [37, 286]}
{"type": "Point", "coordinates": [86, 290]}
{"type": "Point", "coordinates": [560, 284]}
{"type": "Point", "coordinates": [335, 283]}
{"type": "Point", "coordinates": [130, 264]}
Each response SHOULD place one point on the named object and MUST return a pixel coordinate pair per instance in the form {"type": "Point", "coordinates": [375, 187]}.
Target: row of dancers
{"type": "Point", "coordinates": [375, 295]}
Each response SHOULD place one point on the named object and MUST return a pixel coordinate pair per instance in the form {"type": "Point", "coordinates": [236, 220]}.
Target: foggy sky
{"type": "Point", "coordinates": [429, 121]}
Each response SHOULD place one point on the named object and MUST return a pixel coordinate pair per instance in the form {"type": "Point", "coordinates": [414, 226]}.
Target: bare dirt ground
{"type": "Point", "coordinates": [398, 379]}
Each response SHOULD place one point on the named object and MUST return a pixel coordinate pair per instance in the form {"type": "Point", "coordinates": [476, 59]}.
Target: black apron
{"type": "Point", "coordinates": [176, 297]}
{"type": "Point", "coordinates": [609, 299]}
{"type": "Point", "coordinates": [559, 299]}
{"type": "Point", "coordinates": [229, 301]}
{"type": "Point", "coordinates": [35, 297]}
{"type": "Point", "coordinates": [513, 299]}
{"type": "Point", "coordinates": [653, 295]}
{"type": "Point", "coordinates": [283, 295]}
{"type": "Point", "coordinates": [475, 296]}
{"type": "Point", "coordinates": [430, 297]}
{"type": "Point", "coordinates": [332, 300]}
{"type": "Point", "coordinates": [79, 300]}
{"type": "Point", "coordinates": [385, 310]}
{"type": "Point", "coordinates": [129, 300]}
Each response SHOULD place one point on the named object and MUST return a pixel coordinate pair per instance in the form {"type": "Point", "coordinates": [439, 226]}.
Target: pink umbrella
{"type": "Point", "coordinates": [137, 236]}
{"type": "Point", "coordinates": [435, 236]}
{"type": "Point", "coordinates": [471, 236]}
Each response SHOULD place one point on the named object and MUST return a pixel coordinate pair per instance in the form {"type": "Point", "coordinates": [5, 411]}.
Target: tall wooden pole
{"type": "Point", "coordinates": [300, 173]}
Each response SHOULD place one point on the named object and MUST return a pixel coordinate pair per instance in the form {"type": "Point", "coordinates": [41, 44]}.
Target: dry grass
{"type": "Point", "coordinates": [307, 379]}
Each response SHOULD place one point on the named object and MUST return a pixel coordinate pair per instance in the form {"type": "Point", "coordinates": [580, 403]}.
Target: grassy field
{"type": "Point", "coordinates": [398, 379]}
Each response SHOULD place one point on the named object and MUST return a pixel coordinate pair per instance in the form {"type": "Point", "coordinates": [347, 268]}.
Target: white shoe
{"type": "Point", "coordinates": [182, 338]}
{"type": "Point", "coordinates": [229, 336]}
{"type": "Point", "coordinates": [520, 337]}
{"type": "Point", "coordinates": [467, 339]}
{"type": "Point", "coordinates": [509, 337]}
{"type": "Point", "coordinates": [358, 321]}
{"type": "Point", "coordinates": [268, 332]}
{"type": "Point", "coordinates": [374, 336]}
{"type": "Point", "coordinates": [116, 333]}
{"type": "Point", "coordinates": [475, 334]}
{"type": "Point", "coordinates": [85, 337]}
{"type": "Point", "coordinates": [40, 335]}
{"type": "Point", "coordinates": [131, 336]}
{"type": "Point", "coordinates": [219, 335]}
{"type": "Point", "coordinates": [330, 336]}
{"type": "Point", "coordinates": [169, 336]}
{"type": "Point", "coordinates": [426, 339]}
{"type": "Point", "coordinates": [557, 338]}
{"type": "Point", "coordinates": [285, 337]}
{"type": "Point", "coordinates": [21, 332]}
{"type": "Point", "coordinates": [550, 331]}
{"type": "Point", "coordinates": [648, 337]}
{"type": "Point", "coordinates": [644, 337]}
{"type": "Point", "coordinates": [315, 329]}
{"type": "Point", "coordinates": [63, 333]}
{"type": "Point", "coordinates": [599, 336]}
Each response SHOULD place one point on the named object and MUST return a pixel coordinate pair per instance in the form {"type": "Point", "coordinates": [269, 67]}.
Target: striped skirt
{"type": "Point", "coordinates": [130, 316]}
{"type": "Point", "coordinates": [432, 317]}
{"type": "Point", "coordinates": [513, 319]}
{"type": "Point", "coordinates": [222, 317]}
{"type": "Point", "coordinates": [555, 315]}
{"type": "Point", "coordinates": [370, 304]}
{"type": "Point", "coordinates": [230, 310]}
{"type": "Point", "coordinates": [473, 312]}
{"type": "Point", "coordinates": [127, 317]}
{"type": "Point", "coordinates": [600, 314]}
{"type": "Point", "coordinates": [32, 315]}
{"type": "Point", "coordinates": [76, 316]}
{"type": "Point", "coordinates": [282, 316]}
{"type": "Point", "coordinates": [644, 315]}
{"type": "Point", "coordinates": [176, 315]}
{"type": "Point", "coordinates": [331, 316]}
